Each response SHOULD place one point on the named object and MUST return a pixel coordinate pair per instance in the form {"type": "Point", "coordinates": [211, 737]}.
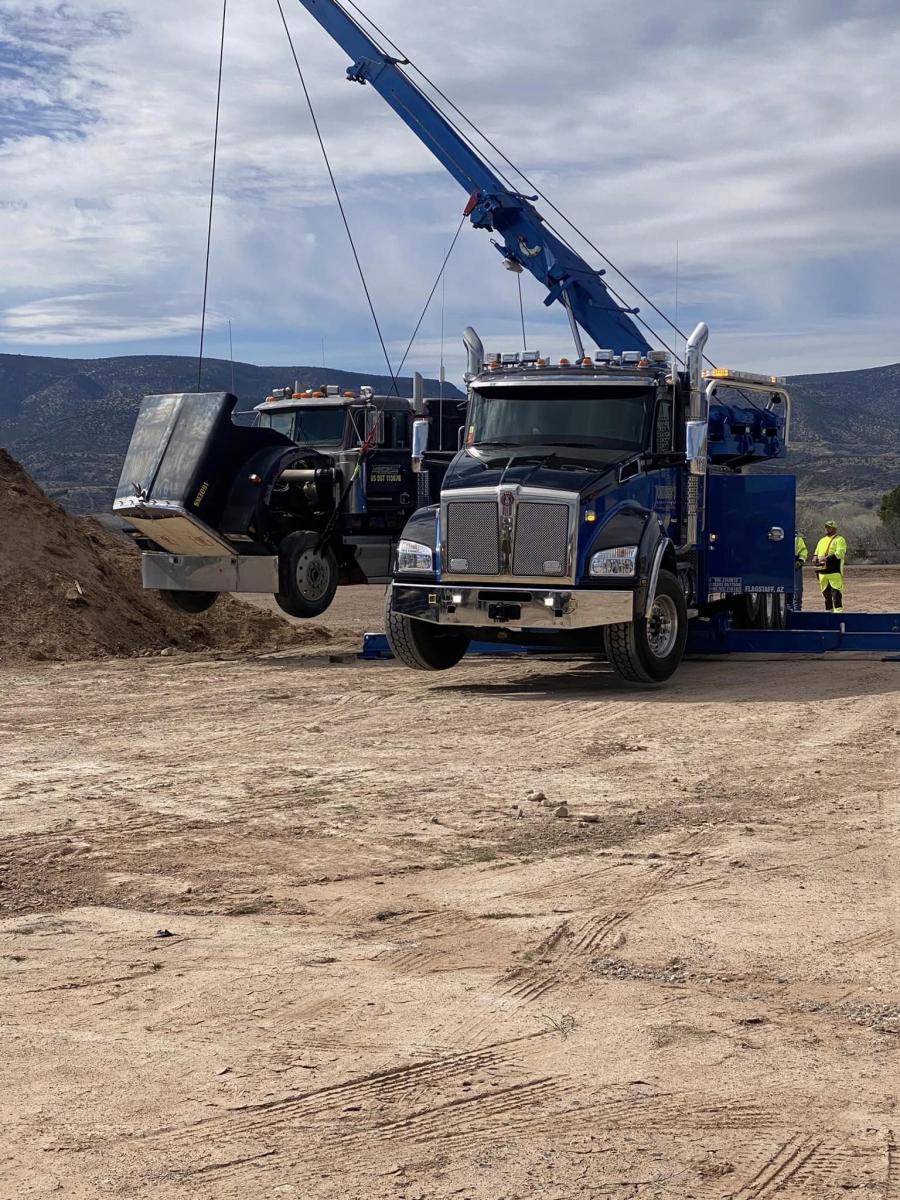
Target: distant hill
{"type": "Point", "coordinates": [69, 421]}
{"type": "Point", "coordinates": [846, 436]}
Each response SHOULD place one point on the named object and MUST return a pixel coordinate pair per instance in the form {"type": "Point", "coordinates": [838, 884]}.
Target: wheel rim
{"type": "Point", "coordinates": [313, 576]}
{"type": "Point", "coordinates": [662, 627]}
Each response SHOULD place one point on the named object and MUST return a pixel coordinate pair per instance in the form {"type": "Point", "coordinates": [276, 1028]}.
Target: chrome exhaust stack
{"type": "Point", "coordinates": [695, 440]}
{"type": "Point", "coordinates": [694, 363]}
{"type": "Point", "coordinates": [474, 353]}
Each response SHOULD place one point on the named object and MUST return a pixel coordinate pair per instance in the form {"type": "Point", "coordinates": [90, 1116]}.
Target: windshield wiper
{"type": "Point", "coordinates": [493, 442]}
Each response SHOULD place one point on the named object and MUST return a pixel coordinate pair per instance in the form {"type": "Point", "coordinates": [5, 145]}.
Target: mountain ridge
{"type": "Point", "coordinates": [69, 420]}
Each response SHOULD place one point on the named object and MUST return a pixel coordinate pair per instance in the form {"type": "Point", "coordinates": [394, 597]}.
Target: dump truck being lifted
{"type": "Point", "coordinates": [311, 496]}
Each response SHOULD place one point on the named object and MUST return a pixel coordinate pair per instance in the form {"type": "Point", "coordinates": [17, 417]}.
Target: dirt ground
{"type": "Point", "coordinates": [280, 926]}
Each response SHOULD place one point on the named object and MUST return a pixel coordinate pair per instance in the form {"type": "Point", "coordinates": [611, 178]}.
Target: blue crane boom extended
{"type": "Point", "coordinates": [526, 241]}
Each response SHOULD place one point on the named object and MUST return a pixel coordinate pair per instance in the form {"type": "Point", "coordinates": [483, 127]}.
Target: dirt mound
{"type": "Point", "coordinates": [69, 590]}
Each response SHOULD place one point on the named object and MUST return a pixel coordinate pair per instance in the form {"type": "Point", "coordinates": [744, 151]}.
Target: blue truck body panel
{"type": "Point", "coordinates": [739, 555]}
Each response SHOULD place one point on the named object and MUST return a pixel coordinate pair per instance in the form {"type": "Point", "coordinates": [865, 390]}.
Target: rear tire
{"type": "Point", "coordinates": [421, 645]}
{"type": "Point", "coordinates": [188, 602]}
{"type": "Point", "coordinates": [780, 616]}
{"type": "Point", "coordinates": [747, 611]}
{"type": "Point", "coordinates": [648, 650]}
{"type": "Point", "coordinates": [308, 577]}
{"type": "Point", "coordinates": [767, 611]}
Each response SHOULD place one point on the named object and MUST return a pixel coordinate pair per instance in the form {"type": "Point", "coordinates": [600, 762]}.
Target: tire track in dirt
{"type": "Point", "coordinates": [565, 953]}
{"type": "Point", "coordinates": [591, 719]}
{"type": "Point", "coordinates": [670, 1112]}
{"type": "Point", "coordinates": [874, 939]}
{"type": "Point", "coordinates": [780, 1167]}
{"type": "Point", "coordinates": [484, 1118]}
{"type": "Point", "coordinates": [416, 1103]}
{"type": "Point", "coordinates": [892, 1169]}
{"type": "Point", "coordinates": [465, 1117]}
{"type": "Point", "coordinates": [322, 1107]}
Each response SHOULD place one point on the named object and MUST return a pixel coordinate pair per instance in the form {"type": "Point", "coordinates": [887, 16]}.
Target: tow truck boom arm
{"type": "Point", "coordinates": [526, 241]}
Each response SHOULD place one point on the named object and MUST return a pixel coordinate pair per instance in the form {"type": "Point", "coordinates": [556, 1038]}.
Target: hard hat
{"type": "Point", "coordinates": [829, 524]}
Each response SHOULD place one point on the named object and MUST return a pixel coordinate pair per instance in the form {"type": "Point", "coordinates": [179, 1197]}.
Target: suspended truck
{"type": "Point", "coordinates": [315, 494]}
{"type": "Point", "coordinates": [597, 504]}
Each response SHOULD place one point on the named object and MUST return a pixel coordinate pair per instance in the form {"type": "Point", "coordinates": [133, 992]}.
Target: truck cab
{"type": "Point", "coordinates": [596, 506]}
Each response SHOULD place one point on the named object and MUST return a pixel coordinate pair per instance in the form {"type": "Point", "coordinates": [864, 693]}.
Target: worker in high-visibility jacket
{"type": "Point", "coordinates": [801, 554]}
{"type": "Point", "coordinates": [831, 550]}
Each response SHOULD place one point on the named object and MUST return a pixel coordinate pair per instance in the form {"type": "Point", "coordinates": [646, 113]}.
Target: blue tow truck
{"type": "Point", "coordinates": [596, 504]}
{"type": "Point", "coordinates": [604, 504]}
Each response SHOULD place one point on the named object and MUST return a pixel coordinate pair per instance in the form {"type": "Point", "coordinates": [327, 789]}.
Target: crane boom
{"type": "Point", "coordinates": [526, 243]}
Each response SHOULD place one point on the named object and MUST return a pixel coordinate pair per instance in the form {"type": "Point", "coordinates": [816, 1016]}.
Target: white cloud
{"type": "Point", "coordinates": [746, 134]}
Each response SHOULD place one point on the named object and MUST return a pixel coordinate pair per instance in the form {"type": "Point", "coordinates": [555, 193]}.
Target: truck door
{"type": "Point", "coordinates": [745, 516]}
{"type": "Point", "coordinates": [390, 483]}
{"type": "Point", "coordinates": [664, 496]}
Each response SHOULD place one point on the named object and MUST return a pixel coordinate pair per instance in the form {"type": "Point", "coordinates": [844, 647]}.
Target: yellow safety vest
{"type": "Point", "coordinates": [835, 545]}
{"type": "Point", "coordinates": [801, 554]}
{"type": "Point", "coordinates": [826, 547]}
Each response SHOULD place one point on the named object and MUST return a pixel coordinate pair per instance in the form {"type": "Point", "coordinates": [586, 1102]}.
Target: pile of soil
{"type": "Point", "coordinates": [70, 590]}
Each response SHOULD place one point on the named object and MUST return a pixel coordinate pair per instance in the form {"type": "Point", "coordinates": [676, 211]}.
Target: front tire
{"type": "Point", "coordinates": [188, 602]}
{"type": "Point", "coordinates": [648, 650]}
{"type": "Point", "coordinates": [421, 645]}
{"type": "Point", "coordinates": [308, 576]}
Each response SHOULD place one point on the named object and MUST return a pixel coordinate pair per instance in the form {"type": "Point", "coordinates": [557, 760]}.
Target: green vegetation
{"type": "Point", "coordinates": [889, 510]}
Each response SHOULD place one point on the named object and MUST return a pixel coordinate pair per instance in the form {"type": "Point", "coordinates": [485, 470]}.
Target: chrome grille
{"type": "Point", "coordinates": [473, 538]}
{"type": "Point", "coordinates": [541, 540]}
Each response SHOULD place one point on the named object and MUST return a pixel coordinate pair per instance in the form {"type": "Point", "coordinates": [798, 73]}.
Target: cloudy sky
{"type": "Point", "coordinates": [760, 139]}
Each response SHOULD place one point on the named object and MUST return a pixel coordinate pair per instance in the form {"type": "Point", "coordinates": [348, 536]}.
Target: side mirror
{"type": "Point", "coordinates": [461, 436]}
{"type": "Point", "coordinates": [695, 446]}
{"type": "Point", "coordinates": [419, 443]}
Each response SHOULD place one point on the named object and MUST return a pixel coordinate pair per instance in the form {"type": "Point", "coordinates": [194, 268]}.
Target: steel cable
{"type": "Point", "coordinates": [431, 293]}
{"type": "Point", "coordinates": [337, 196]}
{"type": "Point", "coordinates": [212, 194]}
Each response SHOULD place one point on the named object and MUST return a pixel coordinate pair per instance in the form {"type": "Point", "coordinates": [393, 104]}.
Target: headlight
{"type": "Point", "coordinates": [620, 560]}
{"type": "Point", "coordinates": [413, 556]}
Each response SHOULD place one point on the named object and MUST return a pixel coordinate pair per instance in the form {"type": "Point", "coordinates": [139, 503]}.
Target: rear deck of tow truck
{"type": "Point", "coordinates": [807, 633]}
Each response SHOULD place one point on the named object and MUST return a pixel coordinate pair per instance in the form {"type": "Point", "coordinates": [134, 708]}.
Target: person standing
{"type": "Point", "coordinates": [801, 554]}
{"type": "Point", "coordinates": [831, 551]}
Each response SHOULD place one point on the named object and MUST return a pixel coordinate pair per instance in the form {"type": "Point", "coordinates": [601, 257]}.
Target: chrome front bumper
{"type": "Point", "coordinates": [194, 573]}
{"type": "Point", "coordinates": [511, 608]}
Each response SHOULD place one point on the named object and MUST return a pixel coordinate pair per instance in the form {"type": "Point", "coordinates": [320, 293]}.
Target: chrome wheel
{"type": "Point", "coordinates": [662, 627]}
{"type": "Point", "coordinates": [312, 575]}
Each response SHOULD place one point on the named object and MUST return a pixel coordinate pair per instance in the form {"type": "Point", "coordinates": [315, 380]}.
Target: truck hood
{"type": "Point", "coordinates": [561, 468]}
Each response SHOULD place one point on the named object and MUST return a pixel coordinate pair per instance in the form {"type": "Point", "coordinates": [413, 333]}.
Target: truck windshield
{"type": "Point", "coordinates": [609, 418]}
{"type": "Point", "coordinates": [308, 426]}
